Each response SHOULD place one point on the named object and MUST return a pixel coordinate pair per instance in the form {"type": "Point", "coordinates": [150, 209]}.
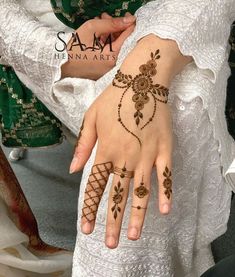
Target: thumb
{"type": "Point", "coordinates": [85, 142]}
{"type": "Point", "coordinates": [112, 25]}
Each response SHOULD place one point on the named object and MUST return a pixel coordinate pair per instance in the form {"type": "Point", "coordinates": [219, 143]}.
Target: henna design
{"type": "Point", "coordinates": [123, 172]}
{"type": "Point", "coordinates": [143, 87]}
{"type": "Point", "coordinates": [167, 183]}
{"type": "Point", "coordinates": [117, 199]}
{"type": "Point", "coordinates": [81, 128]}
{"type": "Point", "coordinates": [141, 191]}
{"type": "Point", "coordinates": [80, 134]}
{"type": "Point", "coordinates": [95, 188]}
{"type": "Point", "coordinates": [139, 208]}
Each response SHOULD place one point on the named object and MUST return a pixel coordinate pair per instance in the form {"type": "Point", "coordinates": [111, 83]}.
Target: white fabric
{"type": "Point", "coordinates": [17, 261]}
{"type": "Point", "coordinates": [230, 175]}
{"type": "Point", "coordinates": [179, 244]}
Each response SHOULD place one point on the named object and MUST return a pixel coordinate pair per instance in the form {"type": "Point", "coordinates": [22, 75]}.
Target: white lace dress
{"type": "Point", "coordinates": [178, 244]}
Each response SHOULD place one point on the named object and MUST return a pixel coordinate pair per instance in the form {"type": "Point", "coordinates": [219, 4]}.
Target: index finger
{"type": "Point", "coordinates": [112, 25]}
{"type": "Point", "coordinates": [95, 187]}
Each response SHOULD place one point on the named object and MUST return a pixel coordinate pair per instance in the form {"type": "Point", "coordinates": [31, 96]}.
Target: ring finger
{"type": "Point", "coordinates": [116, 204]}
{"type": "Point", "coordinates": [141, 192]}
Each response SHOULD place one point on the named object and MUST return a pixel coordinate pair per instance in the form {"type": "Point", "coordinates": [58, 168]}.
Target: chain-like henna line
{"type": "Point", "coordinates": [141, 191]}
{"type": "Point", "coordinates": [139, 208]}
{"type": "Point", "coordinates": [80, 133]}
{"type": "Point", "coordinates": [95, 188]}
{"type": "Point", "coordinates": [167, 183]}
{"type": "Point", "coordinates": [81, 128]}
{"type": "Point", "coordinates": [142, 86]}
{"type": "Point", "coordinates": [123, 172]}
{"type": "Point", "coordinates": [117, 199]}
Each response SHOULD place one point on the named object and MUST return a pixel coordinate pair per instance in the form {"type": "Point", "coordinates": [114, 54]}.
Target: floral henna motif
{"type": "Point", "coordinates": [143, 87]}
{"type": "Point", "coordinates": [167, 183]}
{"type": "Point", "coordinates": [95, 188]}
{"type": "Point", "coordinates": [141, 191]}
{"type": "Point", "coordinates": [117, 199]}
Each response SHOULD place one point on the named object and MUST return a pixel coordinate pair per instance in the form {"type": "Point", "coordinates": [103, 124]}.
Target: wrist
{"type": "Point", "coordinates": [172, 60]}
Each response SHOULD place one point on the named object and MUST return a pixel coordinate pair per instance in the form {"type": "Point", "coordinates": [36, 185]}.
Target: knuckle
{"type": "Point", "coordinates": [89, 24]}
{"type": "Point", "coordinates": [81, 147]}
{"type": "Point", "coordinates": [111, 229]}
{"type": "Point", "coordinates": [116, 22]}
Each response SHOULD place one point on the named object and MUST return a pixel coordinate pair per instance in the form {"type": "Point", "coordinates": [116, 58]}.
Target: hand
{"type": "Point", "coordinates": [132, 121]}
{"type": "Point", "coordinates": [94, 64]}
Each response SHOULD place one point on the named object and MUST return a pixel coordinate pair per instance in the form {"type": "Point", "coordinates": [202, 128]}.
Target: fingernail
{"type": "Point", "coordinates": [111, 242]}
{"type": "Point", "coordinates": [129, 19]}
{"type": "Point", "coordinates": [86, 228]}
{"type": "Point", "coordinates": [73, 165]}
{"type": "Point", "coordinates": [165, 209]}
{"type": "Point", "coordinates": [133, 233]}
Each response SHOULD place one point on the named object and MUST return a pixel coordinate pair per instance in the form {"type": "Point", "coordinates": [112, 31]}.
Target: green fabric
{"type": "Point", "coordinates": [224, 268]}
{"type": "Point", "coordinates": [25, 121]}
{"type": "Point", "coordinates": [230, 103]}
{"type": "Point", "coordinates": [73, 13]}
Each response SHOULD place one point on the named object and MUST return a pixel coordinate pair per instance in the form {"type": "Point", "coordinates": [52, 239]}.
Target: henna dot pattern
{"type": "Point", "coordinates": [144, 89]}
{"type": "Point", "coordinates": [139, 208]}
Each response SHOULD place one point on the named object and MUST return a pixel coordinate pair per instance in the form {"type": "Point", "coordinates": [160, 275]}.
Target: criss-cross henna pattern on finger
{"type": "Point", "coordinates": [94, 190]}
{"type": "Point", "coordinates": [143, 88]}
{"type": "Point", "coordinates": [167, 183]}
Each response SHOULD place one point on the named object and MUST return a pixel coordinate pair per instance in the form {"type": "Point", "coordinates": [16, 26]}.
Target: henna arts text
{"type": "Point", "coordinates": [167, 183]}
{"type": "Point", "coordinates": [141, 191]}
{"type": "Point", "coordinates": [117, 199]}
{"type": "Point", "coordinates": [143, 88]}
{"type": "Point", "coordinates": [95, 188]}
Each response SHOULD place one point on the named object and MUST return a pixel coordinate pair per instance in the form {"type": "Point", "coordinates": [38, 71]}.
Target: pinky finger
{"type": "Point", "coordinates": [164, 176]}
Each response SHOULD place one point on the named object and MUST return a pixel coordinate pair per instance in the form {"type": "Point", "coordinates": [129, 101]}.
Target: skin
{"type": "Point", "coordinates": [91, 68]}
{"type": "Point", "coordinates": [156, 151]}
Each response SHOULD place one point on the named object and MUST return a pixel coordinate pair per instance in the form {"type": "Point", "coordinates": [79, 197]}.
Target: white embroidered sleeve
{"type": "Point", "coordinates": [201, 28]}
{"type": "Point", "coordinates": [28, 45]}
